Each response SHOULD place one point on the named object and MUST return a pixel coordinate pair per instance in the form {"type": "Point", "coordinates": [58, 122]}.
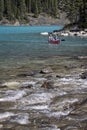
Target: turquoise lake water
{"type": "Point", "coordinates": [24, 42]}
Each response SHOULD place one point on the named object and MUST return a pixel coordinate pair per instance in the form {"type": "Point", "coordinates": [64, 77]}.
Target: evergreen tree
{"type": "Point", "coordinates": [1, 9]}
{"type": "Point", "coordinates": [35, 7]}
{"type": "Point", "coordinates": [8, 10]}
{"type": "Point", "coordinates": [76, 10]}
{"type": "Point", "coordinates": [39, 6]}
{"type": "Point", "coordinates": [55, 8]}
{"type": "Point", "coordinates": [22, 8]}
{"type": "Point", "coordinates": [14, 8]}
{"type": "Point", "coordinates": [29, 8]}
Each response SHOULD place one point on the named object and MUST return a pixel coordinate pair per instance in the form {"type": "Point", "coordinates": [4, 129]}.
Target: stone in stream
{"type": "Point", "coordinates": [11, 84]}
{"type": "Point", "coordinates": [31, 73]}
{"type": "Point", "coordinates": [26, 85]}
{"type": "Point", "coordinates": [47, 84]}
{"type": "Point", "coordinates": [84, 75]}
{"type": "Point", "coordinates": [1, 126]}
{"type": "Point", "coordinates": [58, 76]}
{"type": "Point", "coordinates": [46, 70]}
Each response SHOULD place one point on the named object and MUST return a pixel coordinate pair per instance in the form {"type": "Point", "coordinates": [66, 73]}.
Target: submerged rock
{"type": "Point", "coordinates": [46, 70]}
{"type": "Point", "coordinates": [84, 75]}
{"type": "Point", "coordinates": [82, 57]}
{"type": "Point", "coordinates": [31, 73]}
{"type": "Point", "coordinates": [58, 76]}
{"type": "Point", "coordinates": [1, 126]}
{"type": "Point", "coordinates": [12, 84]}
{"type": "Point", "coordinates": [27, 84]}
{"type": "Point", "coordinates": [47, 84]}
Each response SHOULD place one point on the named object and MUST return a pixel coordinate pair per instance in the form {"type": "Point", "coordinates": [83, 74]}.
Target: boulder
{"type": "Point", "coordinates": [31, 73]}
{"type": "Point", "coordinates": [46, 70]}
{"type": "Point", "coordinates": [11, 84]}
{"type": "Point", "coordinates": [47, 84]}
{"type": "Point", "coordinates": [84, 75]}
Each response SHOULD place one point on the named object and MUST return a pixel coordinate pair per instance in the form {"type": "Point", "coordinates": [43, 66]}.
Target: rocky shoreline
{"type": "Point", "coordinates": [42, 19]}
{"type": "Point", "coordinates": [66, 33]}
{"type": "Point", "coordinates": [79, 33]}
{"type": "Point", "coordinates": [63, 67]}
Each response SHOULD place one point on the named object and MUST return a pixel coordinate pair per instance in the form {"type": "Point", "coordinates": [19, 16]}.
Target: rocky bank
{"type": "Point", "coordinates": [42, 19]}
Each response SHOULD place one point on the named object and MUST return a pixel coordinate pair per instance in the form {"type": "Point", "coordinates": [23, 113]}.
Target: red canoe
{"type": "Point", "coordinates": [54, 41]}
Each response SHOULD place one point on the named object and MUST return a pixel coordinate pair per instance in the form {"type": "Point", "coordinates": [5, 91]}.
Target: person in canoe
{"type": "Point", "coordinates": [51, 36]}
{"type": "Point", "coordinates": [53, 39]}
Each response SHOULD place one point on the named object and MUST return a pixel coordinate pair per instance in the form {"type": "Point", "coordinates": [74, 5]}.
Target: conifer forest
{"type": "Point", "coordinates": [76, 10]}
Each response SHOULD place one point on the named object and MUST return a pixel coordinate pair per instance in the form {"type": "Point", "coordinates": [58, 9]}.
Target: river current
{"type": "Point", "coordinates": [41, 87]}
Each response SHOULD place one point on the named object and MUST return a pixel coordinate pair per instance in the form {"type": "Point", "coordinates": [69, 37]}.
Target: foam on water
{"type": "Point", "coordinates": [6, 115]}
{"type": "Point", "coordinates": [13, 95]}
{"type": "Point", "coordinates": [70, 101]}
{"type": "Point", "coordinates": [47, 128]}
{"type": "Point", "coordinates": [39, 107]}
{"type": "Point", "coordinates": [73, 80]}
{"type": "Point", "coordinates": [59, 114]}
{"type": "Point", "coordinates": [21, 118]}
{"type": "Point", "coordinates": [37, 98]}
{"type": "Point", "coordinates": [28, 83]}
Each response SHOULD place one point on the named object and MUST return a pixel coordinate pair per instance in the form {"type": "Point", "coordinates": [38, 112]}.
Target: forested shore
{"type": "Point", "coordinates": [76, 10]}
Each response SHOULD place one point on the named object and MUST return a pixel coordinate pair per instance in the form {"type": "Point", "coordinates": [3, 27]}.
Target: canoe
{"type": "Point", "coordinates": [57, 41]}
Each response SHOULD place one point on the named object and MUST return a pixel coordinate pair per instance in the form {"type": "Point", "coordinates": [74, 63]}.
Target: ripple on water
{"type": "Point", "coordinates": [12, 95]}
{"type": "Point", "coordinates": [47, 128]}
{"type": "Point", "coordinates": [75, 83]}
{"type": "Point", "coordinates": [39, 107]}
{"type": "Point", "coordinates": [5, 115]}
{"type": "Point", "coordinates": [37, 98]}
{"type": "Point", "coordinates": [21, 118]}
{"type": "Point", "coordinates": [58, 114]}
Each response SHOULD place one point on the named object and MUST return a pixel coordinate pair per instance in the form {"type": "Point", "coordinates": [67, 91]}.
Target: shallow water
{"type": "Point", "coordinates": [19, 45]}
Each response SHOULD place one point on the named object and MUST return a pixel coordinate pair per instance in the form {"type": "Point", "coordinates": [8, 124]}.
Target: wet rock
{"type": "Point", "coordinates": [0, 82]}
{"type": "Point", "coordinates": [71, 66]}
{"type": "Point", "coordinates": [6, 105]}
{"type": "Point", "coordinates": [4, 22]}
{"type": "Point", "coordinates": [22, 75]}
{"type": "Point", "coordinates": [47, 84]}
{"type": "Point", "coordinates": [84, 101]}
{"type": "Point", "coordinates": [31, 73]}
{"type": "Point", "coordinates": [58, 76]}
{"type": "Point", "coordinates": [84, 66]}
{"type": "Point", "coordinates": [12, 84]}
{"type": "Point", "coordinates": [26, 85]}
{"type": "Point", "coordinates": [84, 75]}
{"type": "Point", "coordinates": [75, 105]}
{"type": "Point", "coordinates": [82, 57]}
{"type": "Point", "coordinates": [48, 76]}
{"type": "Point", "coordinates": [46, 70]}
{"type": "Point", "coordinates": [1, 126]}
{"type": "Point", "coordinates": [3, 86]}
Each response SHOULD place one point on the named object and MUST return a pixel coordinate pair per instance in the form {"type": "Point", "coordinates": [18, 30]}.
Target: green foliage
{"type": "Point", "coordinates": [8, 9]}
{"type": "Point", "coordinates": [76, 10]}
{"type": "Point", "coordinates": [1, 9]}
